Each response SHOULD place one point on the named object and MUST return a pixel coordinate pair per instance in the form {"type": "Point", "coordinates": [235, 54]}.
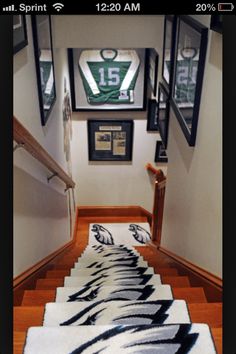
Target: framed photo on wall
{"type": "Point", "coordinates": [152, 115]}
{"type": "Point", "coordinates": [153, 59]}
{"type": "Point", "coordinates": [43, 51]}
{"type": "Point", "coordinates": [216, 23]}
{"type": "Point", "coordinates": [163, 113]}
{"type": "Point", "coordinates": [190, 54]}
{"type": "Point", "coordinates": [160, 154]}
{"type": "Point", "coordinates": [107, 79]}
{"type": "Point", "coordinates": [20, 39]}
{"type": "Point", "coordinates": [110, 140]}
{"type": "Point", "coordinates": [168, 50]}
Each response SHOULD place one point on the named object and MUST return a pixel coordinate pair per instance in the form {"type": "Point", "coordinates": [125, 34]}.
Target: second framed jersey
{"type": "Point", "coordinates": [107, 79]}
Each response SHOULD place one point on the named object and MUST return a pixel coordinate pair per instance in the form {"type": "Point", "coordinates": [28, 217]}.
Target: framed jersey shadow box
{"type": "Point", "coordinates": [107, 79]}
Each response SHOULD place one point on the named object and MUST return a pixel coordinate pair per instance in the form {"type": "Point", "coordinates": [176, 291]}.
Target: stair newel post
{"type": "Point", "coordinates": [158, 203]}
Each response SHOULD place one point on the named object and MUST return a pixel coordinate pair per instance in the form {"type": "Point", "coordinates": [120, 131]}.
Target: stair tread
{"type": "Point", "coordinates": [25, 317]}
{"type": "Point", "coordinates": [78, 335]}
{"type": "Point", "coordinates": [175, 281]}
{"type": "Point", "coordinates": [191, 295]}
{"type": "Point", "coordinates": [49, 284]}
{"type": "Point", "coordinates": [52, 283]}
{"type": "Point", "coordinates": [38, 297]}
{"type": "Point", "coordinates": [41, 297]}
{"type": "Point", "coordinates": [66, 272]}
{"type": "Point", "coordinates": [210, 313]}
{"type": "Point", "coordinates": [217, 336]}
{"type": "Point", "coordinates": [20, 336]}
{"type": "Point", "coordinates": [28, 316]}
{"type": "Point", "coordinates": [19, 341]}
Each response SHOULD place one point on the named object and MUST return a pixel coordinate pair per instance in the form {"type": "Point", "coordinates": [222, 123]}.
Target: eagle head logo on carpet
{"type": "Point", "coordinates": [119, 234]}
{"type": "Point", "coordinates": [140, 234]}
{"type": "Point", "coordinates": [102, 235]}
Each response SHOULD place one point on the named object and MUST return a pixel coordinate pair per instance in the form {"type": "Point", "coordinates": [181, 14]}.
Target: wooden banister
{"type": "Point", "coordinates": [158, 204]}
{"type": "Point", "coordinates": [158, 173]}
{"type": "Point", "coordinates": [23, 137]}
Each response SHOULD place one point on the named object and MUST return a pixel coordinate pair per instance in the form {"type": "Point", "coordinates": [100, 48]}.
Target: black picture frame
{"type": "Point", "coordinates": [189, 64]}
{"type": "Point", "coordinates": [152, 115]}
{"type": "Point", "coordinates": [43, 51]}
{"type": "Point", "coordinates": [110, 140]}
{"type": "Point", "coordinates": [160, 153]}
{"type": "Point", "coordinates": [153, 59]}
{"type": "Point", "coordinates": [163, 113]}
{"type": "Point", "coordinates": [20, 38]}
{"type": "Point", "coordinates": [169, 41]}
{"type": "Point", "coordinates": [79, 97]}
{"type": "Point", "coordinates": [216, 23]}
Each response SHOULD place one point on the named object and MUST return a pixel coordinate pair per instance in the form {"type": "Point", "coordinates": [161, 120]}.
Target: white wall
{"type": "Point", "coordinates": [108, 31]}
{"type": "Point", "coordinates": [192, 225]}
{"type": "Point", "coordinates": [41, 221]}
{"type": "Point", "coordinates": [112, 183]}
{"type": "Point", "coordinates": [192, 216]}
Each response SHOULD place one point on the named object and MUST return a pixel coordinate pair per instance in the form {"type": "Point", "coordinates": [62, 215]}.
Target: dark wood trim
{"type": "Point", "coordinates": [158, 210]}
{"type": "Point", "coordinates": [198, 276]}
{"type": "Point", "coordinates": [159, 174]}
{"type": "Point", "coordinates": [130, 210]}
{"type": "Point", "coordinates": [28, 278]}
{"type": "Point", "coordinates": [194, 268]}
{"type": "Point", "coordinates": [158, 204]}
{"type": "Point", "coordinates": [76, 221]}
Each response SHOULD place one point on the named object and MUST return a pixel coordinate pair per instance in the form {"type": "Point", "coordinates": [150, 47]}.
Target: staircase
{"type": "Point", "coordinates": [31, 311]}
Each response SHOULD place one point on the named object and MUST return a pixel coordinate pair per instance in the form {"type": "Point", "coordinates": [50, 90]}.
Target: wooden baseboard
{"type": "Point", "coordinates": [27, 279]}
{"type": "Point", "coordinates": [131, 210]}
{"type": "Point", "coordinates": [213, 279]}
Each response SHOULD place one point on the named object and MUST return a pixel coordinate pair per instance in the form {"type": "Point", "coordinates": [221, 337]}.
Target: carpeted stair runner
{"type": "Point", "coordinates": [142, 292]}
{"type": "Point", "coordinates": [115, 312]}
{"type": "Point", "coordinates": [113, 303]}
{"type": "Point", "coordinates": [112, 234]}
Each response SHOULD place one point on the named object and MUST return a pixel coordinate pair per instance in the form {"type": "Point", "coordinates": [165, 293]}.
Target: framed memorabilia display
{"type": "Point", "coordinates": [43, 50]}
{"type": "Point", "coordinates": [110, 140]}
{"type": "Point", "coordinates": [153, 69]}
{"type": "Point", "coordinates": [163, 113]}
{"type": "Point", "coordinates": [168, 50]}
{"type": "Point", "coordinates": [160, 154]}
{"type": "Point", "coordinates": [107, 79]}
{"type": "Point", "coordinates": [20, 39]}
{"type": "Point", "coordinates": [152, 120]}
{"type": "Point", "coordinates": [216, 23]}
{"type": "Point", "coordinates": [190, 53]}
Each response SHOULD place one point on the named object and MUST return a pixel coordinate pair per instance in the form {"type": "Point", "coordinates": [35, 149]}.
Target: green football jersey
{"type": "Point", "coordinates": [47, 79]}
{"type": "Point", "coordinates": [185, 80]}
{"type": "Point", "coordinates": [109, 75]}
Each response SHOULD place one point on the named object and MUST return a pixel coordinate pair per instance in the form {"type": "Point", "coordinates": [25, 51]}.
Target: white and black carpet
{"type": "Point", "coordinates": [115, 312]}
{"type": "Point", "coordinates": [110, 270]}
{"type": "Point", "coordinates": [113, 303]}
{"type": "Point", "coordinates": [80, 294]}
{"type": "Point", "coordinates": [137, 234]}
{"type": "Point", "coordinates": [93, 262]}
{"type": "Point", "coordinates": [148, 339]}
{"type": "Point", "coordinates": [119, 280]}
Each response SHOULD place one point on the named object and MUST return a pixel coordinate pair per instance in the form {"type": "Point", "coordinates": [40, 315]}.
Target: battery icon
{"type": "Point", "coordinates": [225, 6]}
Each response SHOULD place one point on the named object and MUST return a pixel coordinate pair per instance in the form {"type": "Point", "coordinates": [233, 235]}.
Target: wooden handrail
{"type": "Point", "coordinates": [158, 173]}
{"type": "Point", "coordinates": [23, 137]}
